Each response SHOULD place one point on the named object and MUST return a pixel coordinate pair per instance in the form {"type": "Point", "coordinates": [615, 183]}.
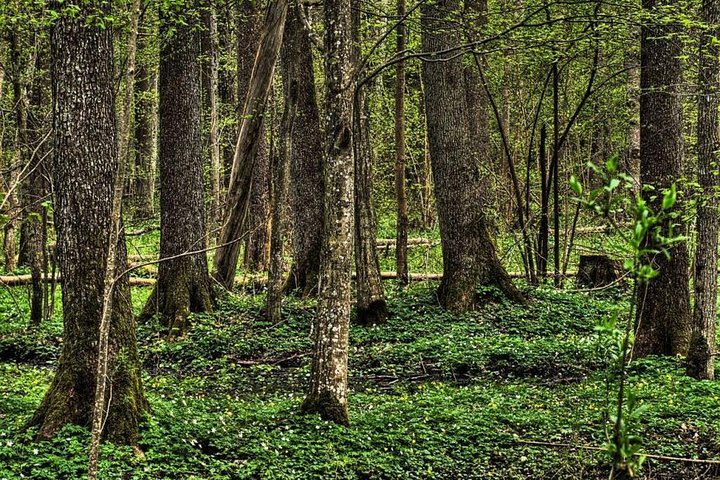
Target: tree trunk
{"type": "Point", "coordinates": [632, 156]}
{"type": "Point", "coordinates": [145, 131]}
{"type": "Point", "coordinates": [701, 363]}
{"type": "Point", "coordinates": [214, 127]}
{"type": "Point", "coordinates": [227, 39]}
{"type": "Point", "coordinates": [35, 191]}
{"type": "Point", "coordinates": [469, 257]}
{"type": "Point", "coordinates": [328, 379]}
{"type": "Point", "coordinates": [239, 191]}
{"type": "Point", "coordinates": [401, 263]}
{"type": "Point", "coordinates": [85, 162]}
{"type": "Point", "coordinates": [281, 181]}
{"type": "Point", "coordinates": [371, 308]}
{"type": "Point", "coordinates": [307, 154]}
{"type": "Point", "coordinates": [257, 230]}
{"type": "Point", "coordinates": [663, 313]}
{"type": "Point", "coordinates": [183, 284]}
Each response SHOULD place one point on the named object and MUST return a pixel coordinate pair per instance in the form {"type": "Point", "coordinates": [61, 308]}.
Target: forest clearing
{"type": "Point", "coordinates": [359, 239]}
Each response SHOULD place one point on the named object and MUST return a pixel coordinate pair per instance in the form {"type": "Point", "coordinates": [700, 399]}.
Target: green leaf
{"type": "Point", "coordinates": [576, 185]}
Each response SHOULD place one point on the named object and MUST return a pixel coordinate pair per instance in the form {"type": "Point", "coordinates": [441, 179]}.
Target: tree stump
{"type": "Point", "coordinates": [597, 271]}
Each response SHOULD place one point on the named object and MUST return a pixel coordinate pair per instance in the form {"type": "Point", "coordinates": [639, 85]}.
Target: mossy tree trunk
{"type": "Point", "coordinates": [469, 256]}
{"type": "Point", "coordinates": [328, 379]}
{"type": "Point", "coordinates": [307, 153]}
{"type": "Point", "coordinates": [183, 284]}
{"type": "Point", "coordinates": [663, 313]}
{"type": "Point", "coordinates": [84, 164]}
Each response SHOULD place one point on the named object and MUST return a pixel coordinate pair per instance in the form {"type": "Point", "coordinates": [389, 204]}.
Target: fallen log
{"type": "Point", "coordinates": [20, 280]}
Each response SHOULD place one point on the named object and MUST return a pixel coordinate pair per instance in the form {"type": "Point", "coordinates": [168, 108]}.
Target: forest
{"type": "Point", "coordinates": [359, 239]}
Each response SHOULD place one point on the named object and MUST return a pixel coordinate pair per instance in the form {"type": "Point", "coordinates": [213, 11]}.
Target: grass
{"type": "Point", "coordinates": [432, 396]}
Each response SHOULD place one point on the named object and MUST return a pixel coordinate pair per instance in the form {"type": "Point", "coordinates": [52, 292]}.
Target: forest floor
{"type": "Point", "coordinates": [432, 396]}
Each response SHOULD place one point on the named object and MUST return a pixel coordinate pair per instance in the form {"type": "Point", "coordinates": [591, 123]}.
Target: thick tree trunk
{"type": "Point", "coordinates": [701, 360]}
{"type": "Point", "coordinates": [183, 284]}
{"type": "Point", "coordinates": [469, 257]}
{"type": "Point", "coordinates": [85, 162]}
{"type": "Point", "coordinates": [244, 162]}
{"type": "Point", "coordinates": [328, 379]}
{"type": "Point", "coordinates": [401, 263]}
{"type": "Point", "coordinates": [307, 154]}
{"type": "Point", "coordinates": [145, 131]}
{"type": "Point", "coordinates": [663, 318]}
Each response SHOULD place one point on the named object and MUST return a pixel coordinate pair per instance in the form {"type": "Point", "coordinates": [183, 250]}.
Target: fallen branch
{"type": "Point", "coordinates": [600, 449]}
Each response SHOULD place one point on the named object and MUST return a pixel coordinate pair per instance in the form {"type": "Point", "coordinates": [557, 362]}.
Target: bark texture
{"type": "Point", "coordinates": [663, 318]}
{"type": "Point", "coordinates": [328, 379]}
{"type": "Point", "coordinates": [183, 284]}
{"type": "Point", "coordinates": [469, 257]}
{"type": "Point", "coordinates": [307, 155]}
{"type": "Point", "coordinates": [85, 162]}
{"type": "Point", "coordinates": [700, 359]}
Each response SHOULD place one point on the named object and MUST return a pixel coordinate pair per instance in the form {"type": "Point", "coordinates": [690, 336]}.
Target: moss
{"type": "Point", "coordinates": [328, 407]}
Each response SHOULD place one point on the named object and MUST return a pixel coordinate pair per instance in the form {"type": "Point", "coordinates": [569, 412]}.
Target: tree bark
{"type": "Point", "coordinates": [85, 161]}
{"type": "Point", "coordinates": [183, 284]}
{"type": "Point", "coordinates": [249, 138]}
{"type": "Point", "coordinates": [701, 360]}
{"type": "Point", "coordinates": [307, 154]}
{"type": "Point", "coordinates": [401, 263]}
{"type": "Point", "coordinates": [663, 313]}
{"type": "Point", "coordinates": [328, 379]}
{"type": "Point", "coordinates": [469, 257]}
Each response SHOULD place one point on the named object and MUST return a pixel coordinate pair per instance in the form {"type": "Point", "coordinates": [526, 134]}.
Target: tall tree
{"type": "Point", "coordinates": [469, 257]}
{"type": "Point", "coordinates": [371, 307]}
{"type": "Point", "coordinates": [280, 187]}
{"type": "Point", "coordinates": [663, 313]}
{"type": "Point", "coordinates": [249, 138]}
{"type": "Point", "coordinates": [183, 283]}
{"type": "Point", "coordinates": [328, 379]}
{"type": "Point", "coordinates": [211, 85]}
{"type": "Point", "coordinates": [85, 161]}
{"type": "Point", "coordinates": [257, 230]}
{"type": "Point", "coordinates": [401, 237]}
{"type": "Point", "coordinates": [701, 363]}
{"type": "Point", "coordinates": [27, 93]}
{"type": "Point", "coordinates": [307, 153]}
